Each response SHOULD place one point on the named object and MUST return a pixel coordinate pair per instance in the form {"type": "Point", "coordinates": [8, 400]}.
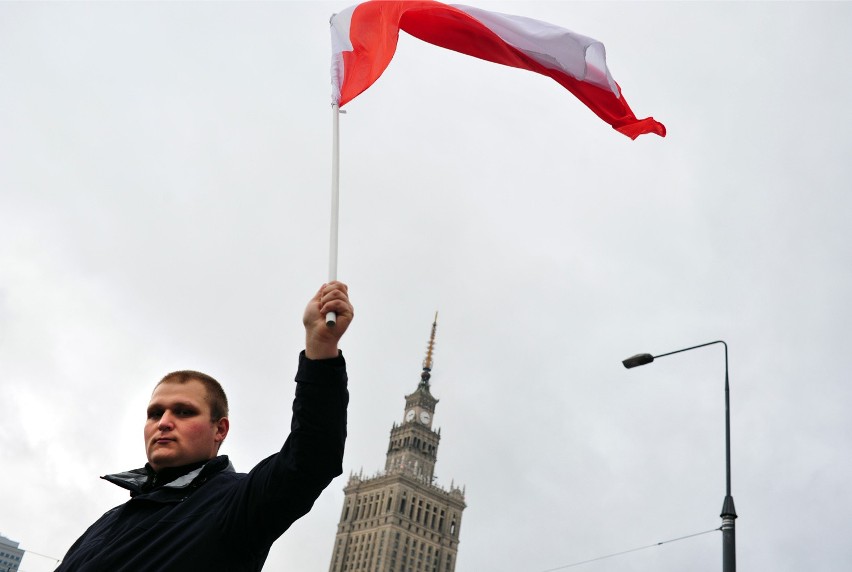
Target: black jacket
{"type": "Point", "coordinates": [214, 518]}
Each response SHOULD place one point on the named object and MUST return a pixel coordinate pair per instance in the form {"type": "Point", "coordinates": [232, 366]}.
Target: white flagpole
{"type": "Point", "coordinates": [331, 317]}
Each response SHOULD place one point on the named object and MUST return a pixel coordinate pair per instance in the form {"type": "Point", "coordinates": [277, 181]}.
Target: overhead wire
{"type": "Point", "coordinates": [563, 567]}
{"type": "Point", "coordinates": [573, 564]}
{"type": "Point", "coordinates": [57, 560]}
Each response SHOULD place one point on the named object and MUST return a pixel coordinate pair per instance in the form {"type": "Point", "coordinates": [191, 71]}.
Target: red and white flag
{"type": "Point", "coordinates": [364, 39]}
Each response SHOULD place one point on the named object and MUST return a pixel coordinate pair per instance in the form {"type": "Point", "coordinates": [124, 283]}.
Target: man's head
{"type": "Point", "coordinates": [187, 420]}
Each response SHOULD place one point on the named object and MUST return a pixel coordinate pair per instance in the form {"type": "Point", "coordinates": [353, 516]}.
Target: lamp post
{"type": "Point", "coordinates": [729, 514]}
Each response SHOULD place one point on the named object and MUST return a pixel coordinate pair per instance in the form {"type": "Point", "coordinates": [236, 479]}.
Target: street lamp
{"type": "Point", "coordinates": [729, 552]}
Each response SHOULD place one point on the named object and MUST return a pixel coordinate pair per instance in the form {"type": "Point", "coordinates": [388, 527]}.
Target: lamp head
{"type": "Point", "coordinates": [637, 360]}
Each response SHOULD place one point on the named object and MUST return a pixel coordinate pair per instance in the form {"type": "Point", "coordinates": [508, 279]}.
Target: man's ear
{"type": "Point", "coordinates": [222, 427]}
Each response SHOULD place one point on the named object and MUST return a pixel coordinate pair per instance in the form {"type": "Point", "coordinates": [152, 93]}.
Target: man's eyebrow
{"type": "Point", "coordinates": [184, 405]}
{"type": "Point", "coordinates": [177, 404]}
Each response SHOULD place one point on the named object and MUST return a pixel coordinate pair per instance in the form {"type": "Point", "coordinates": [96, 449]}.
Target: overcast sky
{"type": "Point", "coordinates": [164, 194]}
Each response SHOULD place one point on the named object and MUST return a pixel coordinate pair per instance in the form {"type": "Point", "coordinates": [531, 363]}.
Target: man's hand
{"type": "Point", "coordinates": [321, 339]}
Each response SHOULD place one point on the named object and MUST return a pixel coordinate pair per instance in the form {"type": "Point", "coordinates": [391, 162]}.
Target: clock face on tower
{"type": "Point", "coordinates": [424, 417]}
{"type": "Point", "coordinates": [410, 415]}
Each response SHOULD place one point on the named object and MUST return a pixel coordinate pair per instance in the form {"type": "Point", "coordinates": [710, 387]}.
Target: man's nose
{"type": "Point", "coordinates": [166, 422]}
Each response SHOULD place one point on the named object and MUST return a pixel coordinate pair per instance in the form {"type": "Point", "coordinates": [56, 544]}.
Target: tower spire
{"type": "Point", "coordinates": [427, 362]}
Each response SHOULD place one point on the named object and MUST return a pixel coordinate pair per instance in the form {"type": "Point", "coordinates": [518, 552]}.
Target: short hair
{"type": "Point", "coordinates": [216, 397]}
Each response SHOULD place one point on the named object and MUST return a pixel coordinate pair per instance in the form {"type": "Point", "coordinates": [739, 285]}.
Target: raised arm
{"type": "Point", "coordinates": [283, 487]}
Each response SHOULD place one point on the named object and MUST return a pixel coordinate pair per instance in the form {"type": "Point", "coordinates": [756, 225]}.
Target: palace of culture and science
{"type": "Point", "coordinates": [400, 520]}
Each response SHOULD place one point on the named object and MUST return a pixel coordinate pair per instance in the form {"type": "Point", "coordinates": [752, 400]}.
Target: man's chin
{"type": "Point", "coordinates": [160, 462]}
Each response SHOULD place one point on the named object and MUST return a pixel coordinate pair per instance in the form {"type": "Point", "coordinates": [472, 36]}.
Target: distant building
{"type": "Point", "coordinates": [10, 555]}
{"type": "Point", "coordinates": [400, 520]}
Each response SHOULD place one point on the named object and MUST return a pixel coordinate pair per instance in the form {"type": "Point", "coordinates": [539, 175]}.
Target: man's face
{"type": "Point", "coordinates": [179, 430]}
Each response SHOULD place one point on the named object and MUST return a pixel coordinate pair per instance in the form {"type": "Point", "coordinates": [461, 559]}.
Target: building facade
{"type": "Point", "coordinates": [401, 520]}
{"type": "Point", "coordinates": [10, 555]}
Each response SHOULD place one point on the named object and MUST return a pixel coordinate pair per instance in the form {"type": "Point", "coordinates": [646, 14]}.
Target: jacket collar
{"type": "Point", "coordinates": [135, 479]}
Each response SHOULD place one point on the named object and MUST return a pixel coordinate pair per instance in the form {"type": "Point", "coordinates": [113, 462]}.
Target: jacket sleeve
{"type": "Point", "coordinates": [283, 487]}
{"type": "Point", "coordinates": [314, 449]}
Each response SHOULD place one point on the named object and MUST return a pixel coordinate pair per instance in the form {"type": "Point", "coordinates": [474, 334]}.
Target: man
{"type": "Point", "coordinates": [189, 510]}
